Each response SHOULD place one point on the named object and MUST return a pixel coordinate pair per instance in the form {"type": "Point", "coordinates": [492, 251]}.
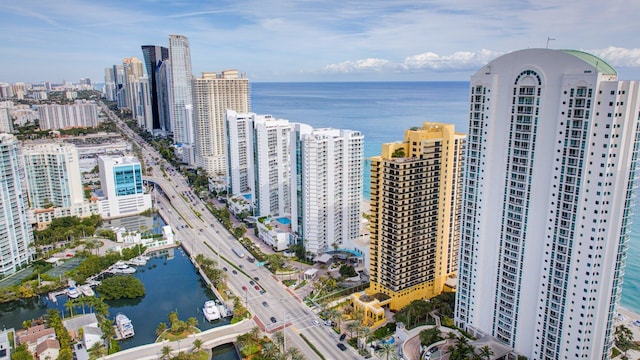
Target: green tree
{"type": "Point", "coordinates": [624, 339]}
{"type": "Point", "coordinates": [192, 322]}
{"type": "Point", "coordinates": [97, 351]}
{"type": "Point", "coordinates": [430, 336]}
{"type": "Point", "coordinates": [388, 351]}
{"type": "Point", "coordinates": [278, 340]}
{"type": "Point", "coordinates": [197, 345]}
{"type": "Point", "coordinates": [21, 353]}
{"type": "Point", "coordinates": [121, 287]}
{"type": "Point", "coordinates": [162, 327]}
{"type": "Point", "coordinates": [485, 352]}
{"type": "Point", "coordinates": [166, 352]}
{"type": "Point", "coordinates": [269, 350]}
{"type": "Point", "coordinates": [348, 271]}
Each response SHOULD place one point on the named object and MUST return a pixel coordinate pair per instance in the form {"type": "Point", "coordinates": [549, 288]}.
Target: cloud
{"type": "Point", "coordinates": [459, 60]}
{"type": "Point", "coordinates": [619, 57]}
{"type": "Point", "coordinates": [364, 65]}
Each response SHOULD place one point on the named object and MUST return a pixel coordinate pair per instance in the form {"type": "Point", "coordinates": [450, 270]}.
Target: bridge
{"type": "Point", "coordinates": [210, 339]}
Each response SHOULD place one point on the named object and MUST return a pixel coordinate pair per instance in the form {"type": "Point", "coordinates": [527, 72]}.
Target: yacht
{"type": "Point", "coordinates": [72, 291]}
{"type": "Point", "coordinates": [124, 326]}
{"type": "Point", "coordinates": [211, 311]}
{"type": "Point", "coordinates": [87, 290]}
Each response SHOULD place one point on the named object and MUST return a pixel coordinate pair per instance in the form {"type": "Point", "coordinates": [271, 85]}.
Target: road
{"type": "Point", "coordinates": [195, 227]}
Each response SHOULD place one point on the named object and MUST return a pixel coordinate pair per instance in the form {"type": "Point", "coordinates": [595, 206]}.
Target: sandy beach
{"type": "Point", "coordinates": [631, 320]}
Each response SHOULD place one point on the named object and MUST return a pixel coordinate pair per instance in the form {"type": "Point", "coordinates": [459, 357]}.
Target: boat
{"type": "Point", "coordinates": [87, 290]}
{"type": "Point", "coordinates": [124, 326]}
{"type": "Point", "coordinates": [72, 292]}
{"type": "Point", "coordinates": [211, 311]}
{"type": "Point", "coordinates": [138, 261]}
{"type": "Point", "coordinates": [127, 270]}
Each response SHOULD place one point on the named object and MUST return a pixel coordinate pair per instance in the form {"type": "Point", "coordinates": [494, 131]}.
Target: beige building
{"type": "Point", "coordinates": [213, 94]}
{"type": "Point", "coordinates": [415, 209]}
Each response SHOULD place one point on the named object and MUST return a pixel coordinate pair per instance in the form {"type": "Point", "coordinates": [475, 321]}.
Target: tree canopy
{"type": "Point", "coordinates": [121, 287]}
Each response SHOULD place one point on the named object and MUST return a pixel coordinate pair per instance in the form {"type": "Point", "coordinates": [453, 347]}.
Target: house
{"type": "Point", "coordinates": [91, 332]}
{"type": "Point", "coordinates": [5, 345]}
{"type": "Point", "coordinates": [34, 335]}
{"type": "Point", "coordinates": [48, 349]}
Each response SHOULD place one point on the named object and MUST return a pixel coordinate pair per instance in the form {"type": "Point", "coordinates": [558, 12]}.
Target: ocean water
{"type": "Point", "coordinates": [382, 111]}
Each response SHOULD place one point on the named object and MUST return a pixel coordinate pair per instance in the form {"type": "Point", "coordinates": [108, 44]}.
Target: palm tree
{"type": "Point", "coordinates": [366, 334]}
{"type": "Point", "coordinates": [166, 352]}
{"type": "Point", "coordinates": [108, 332]}
{"type": "Point", "coordinates": [197, 345]}
{"type": "Point", "coordinates": [388, 350]}
{"type": "Point", "coordinates": [294, 353]}
{"type": "Point", "coordinates": [70, 304]}
{"type": "Point", "coordinates": [335, 316]}
{"type": "Point", "coordinates": [278, 339]}
{"type": "Point", "coordinates": [192, 322]}
{"type": "Point", "coordinates": [255, 334]}
{"type": "Point", "coordinates": [162, 327]}
{"type": "Point", "coordinates": [97, 350]}
{"type": "Point", "coordinates": [351, 327]}
{"type": "Point", "coordinates": [485, 352]}
{"type": "Point", "coordinates": [269, 350]}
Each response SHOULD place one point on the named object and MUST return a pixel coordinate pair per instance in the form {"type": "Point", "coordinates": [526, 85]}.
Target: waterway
{"type": "Point", "coordinates": [171, 282]}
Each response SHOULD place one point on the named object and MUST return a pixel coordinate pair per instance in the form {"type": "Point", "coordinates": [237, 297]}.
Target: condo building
{"type": "Point", "coordinates": [153, 57]}
{"type": "Point", "coordinates": [260, 161]}
{"type": "Point", "coordinates": [326, 178]}
{"type": "Point", "coordinates": [54, 183]}
{"type": "Point", "coordinates": [15, 230]}
{"type": "Point", "coordinates": [213, 94]}
{"type": "Point", "coordinates": [551, 166]}
{"type": "Point", "coordinates": [81, 113]}
{"type": "Point", "coordinates": [416, 193]}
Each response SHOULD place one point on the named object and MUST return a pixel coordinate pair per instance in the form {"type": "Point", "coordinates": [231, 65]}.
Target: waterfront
{"type": "Point", "coordinates": [171, 284]}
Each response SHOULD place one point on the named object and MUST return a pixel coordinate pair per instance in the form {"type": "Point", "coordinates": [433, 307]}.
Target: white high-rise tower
{"type": "Point", "coordinates": [551, 161]}
{"type": "Point", "coordinates": [15, 230]}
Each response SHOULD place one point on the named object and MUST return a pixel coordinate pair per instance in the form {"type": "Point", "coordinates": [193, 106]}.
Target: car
{"type": "Point", "coordinates": [433, 349]}
{"type": "Point", "coordinates": [256, 278]}
{"type": "Point", "coordinates": [315, 322]}
{"type": "Point", "coordinates": [273, 319]}
{"type": "Point", "coordinates": [225, 269]}
{"type": "Point", "coordinates": [252, 282]}
{"type": "Point", "coordinates": [262, 291]}
{"type": "Point", "coordinates": [342, 347]}
{"type": "Point", "coordinates": [328, 322]}
{"type": "Point", "coordinates": [265, 304]}
{"type": "Point", "coordinates": [241, 266]}
{"type": "Point", "coordinates": [343, 336]}
{"type": "Point", "coordinates": [244, 288]}
{"type": "Point", "coordinates": [257, 287]}
{"type": "Point", "coordinates": [234, 272]}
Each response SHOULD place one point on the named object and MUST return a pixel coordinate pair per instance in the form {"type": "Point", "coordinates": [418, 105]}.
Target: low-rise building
{"type": "Point", "coordinates": [275, 233]}
{"type": "Point", "coordinates": [48, 349]}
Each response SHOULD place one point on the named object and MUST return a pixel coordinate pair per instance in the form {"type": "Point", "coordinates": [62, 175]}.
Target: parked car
{"type": "Point", "coordinates": [343, 336]}
{"type": "Point", "coordinates": [273, 319]}
{"type": "Point", "coordinates": [328, 322]}
{"type": "Point", "coordinates": [342, 347]}
{"type": "Point", "coordinates": [265, 304]}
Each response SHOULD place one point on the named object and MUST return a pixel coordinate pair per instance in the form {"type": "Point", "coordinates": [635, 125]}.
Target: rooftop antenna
{"type": "Point", "coordinates": [549, 39]}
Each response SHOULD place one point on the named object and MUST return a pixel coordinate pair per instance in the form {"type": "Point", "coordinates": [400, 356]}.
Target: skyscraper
{"type": "Point", "coordinates": [551, 161]}
{"type": "Point", "coordinates": [213, 94]}
{"type": "Point", "coordinates": [326, 176]}
{"type": "Point", "coordinates": [15, 229]}
{"type": "Point", "coordinates": [53, 175]}
{"type": "Point", "coordinates": [153, 57]}
{"type": "Point", "coordinates": [416, 192]}
{"type": "Point", "coordinates": [180, 94]}
{"type": "Point", "coordinates": [260, 161]}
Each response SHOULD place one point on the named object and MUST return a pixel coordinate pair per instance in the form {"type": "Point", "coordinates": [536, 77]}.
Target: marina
{"type": "Point", "coordinates": [123, 327]}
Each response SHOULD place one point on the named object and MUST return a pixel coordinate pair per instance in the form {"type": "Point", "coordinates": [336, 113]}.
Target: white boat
{"type": "Point", "coordinates": [87, 290]}
{"type": "Point", "coordinates": [72, 292]}
{"type": "Point", "coordinates": [127, 270]}
{"type": "Point", "coordinates": [124, 326]}
{"type": "Point", "coordinates": [120, 265]}
{"type": "Point", "coordinates": [211, 311]}
{"type": "Point", "coordinates": [138, 261]}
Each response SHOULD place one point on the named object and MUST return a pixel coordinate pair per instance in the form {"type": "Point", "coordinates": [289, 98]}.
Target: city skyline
{"type": "Point", "coordinates": [349, 41]}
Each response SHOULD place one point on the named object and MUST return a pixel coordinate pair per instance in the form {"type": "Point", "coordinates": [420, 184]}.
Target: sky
{"type": "Point", "coordinates": [310, 40]}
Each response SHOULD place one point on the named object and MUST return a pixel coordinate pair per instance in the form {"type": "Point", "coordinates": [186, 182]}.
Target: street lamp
{"type": "Point", "coordinates": [284, 326]}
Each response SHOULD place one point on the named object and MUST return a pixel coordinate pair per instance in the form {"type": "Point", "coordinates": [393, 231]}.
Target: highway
{"type": "Point", "coordinates": [195, 227]}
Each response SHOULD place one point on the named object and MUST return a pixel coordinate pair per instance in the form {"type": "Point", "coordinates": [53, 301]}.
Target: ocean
{"type": "Point", "coordinates": [382, 111]}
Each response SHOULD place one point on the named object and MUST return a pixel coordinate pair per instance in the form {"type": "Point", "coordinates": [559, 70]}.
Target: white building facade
{"type": "Point", "coordinates": [551, 162]}
{"type": "Point", "coordinates": [122, 188]}
{"type": "Point", "coordinates": [81, 113]}
{"type": "Point", "coordinates": [327, 166]}
{"type": "Point", "coordinates": [260, 161]}
{"type": "Point", "coordinates": [213, 94]}
{"type": "Point", "coordinates": [15, 230]}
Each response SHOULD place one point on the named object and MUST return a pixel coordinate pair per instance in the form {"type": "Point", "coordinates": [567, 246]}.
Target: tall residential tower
{"type": "Point", "coordinates": [213, 94]}
{"type": "Point", "coordinates": [180, 94]}
{"type": "Point", "coordinates": [551, 162]}
{"type": "Point", "coordinates": [153, 58]}
{"type": "Point", "coordinates": [15, 230]}
{"type": "Point", "coordinates": [416, 192]}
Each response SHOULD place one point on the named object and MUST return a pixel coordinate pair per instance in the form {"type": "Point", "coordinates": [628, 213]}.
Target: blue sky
{"type": "Point", "coordinates": [309, 40]}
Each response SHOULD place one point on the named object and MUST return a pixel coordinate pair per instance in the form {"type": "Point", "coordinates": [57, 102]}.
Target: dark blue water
{"type": "Point", "coordinates": [171, 284]}
{"type": "Point", "coordinates": [382, 111]}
